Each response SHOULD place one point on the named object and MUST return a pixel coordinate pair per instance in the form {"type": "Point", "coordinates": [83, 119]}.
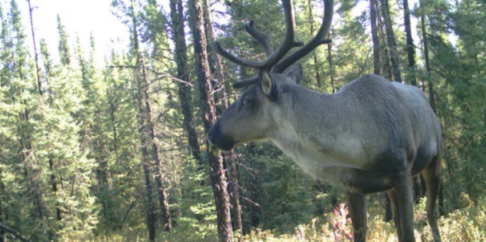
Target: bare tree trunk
{"type": "Point", "coordinates": [376, 39]}
{"type": "Point", "coordinates": [145, 163]}
{"type": "Point", "coordinates": [142, 129]}
{"type": "Point", "coordinates": [163, 201]}
{"type": "Point", "coordinates": [427, 61]}
{"type": "Point", "coordinates": [185, 97]}
{"type": "Point", "coordinates": [392, 43]}
{"type": "Point", "coordinates": [392, 46]}
{"type": "Point", "coordinates": [218, 179]}
{"type": "Point", "coordinates": [431, 92]}
{"type": "Point", "coordinates": [36, 55]}
{"type": "Point", "coordinates": [234, 191]}
{"type": "Point", "coordinates": [412, 78]}
{"type": "Point", "coordinates": [314, 54]}
{"type": "Point", "coordinates": [384, 50]}
{"type": "Point", "coordinates": [229, 158]}
{"type": "Point", "coordinates": [410, 46]}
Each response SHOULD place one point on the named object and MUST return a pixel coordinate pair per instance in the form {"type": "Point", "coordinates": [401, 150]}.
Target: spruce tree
{"type": "Point", "coordinates": [64, 49]}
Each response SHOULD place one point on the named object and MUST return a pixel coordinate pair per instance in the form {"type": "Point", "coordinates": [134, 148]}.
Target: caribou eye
{"type": "Point", "coordinates": [246, 101]}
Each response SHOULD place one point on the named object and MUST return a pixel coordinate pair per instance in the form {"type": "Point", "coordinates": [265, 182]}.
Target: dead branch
{"type": "Point", "coordinates": [13, 232]}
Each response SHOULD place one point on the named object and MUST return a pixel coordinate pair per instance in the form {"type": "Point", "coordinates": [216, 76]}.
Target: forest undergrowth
{"type": "Point", "coordinates": [461, 225]}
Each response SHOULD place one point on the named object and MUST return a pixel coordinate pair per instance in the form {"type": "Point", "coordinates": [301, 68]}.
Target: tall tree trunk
{"type": "Point", "coordinates": [142, 115]}
{"type": "Point", "coordinates": [427, 60]}
{"type": "Point", "coordinates": [234, 191]}
{"type": "Point", "coordinates": [36, 56]}
{"type": "Point", "coordinates": [314, 53]}
{"type": "Point", "coordinates": [410, 46]}
{"type": "Point", "coordinates": [218, 179]}
{"type": "Point", "coordinates": [229, 158]}
{"type": "Point", "coordinates": [384, 50]}
{"type": "Point", "coordinates": [376, 39]}
{"type": "Point", "coordinates": [392, 43]}
{"type": "Point", "coordinates": [185, 97]}
{"type": "Point", "coordinates": [393, 51]}
{"type": "Point", "coordinates": [413, 80]}
{"type": "Point", "coordinates": [163, 200]}
{"type": "Point", "coordinates": [39, 84]}
{"type": "Point", "coordinates": [431, 91]}
{"type": "Point", "coordinates": [145, 162]}
{"type": "Point", "coordinates": [331, 67]}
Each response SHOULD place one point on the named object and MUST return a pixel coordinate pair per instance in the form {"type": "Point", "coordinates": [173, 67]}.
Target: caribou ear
{"type": "Point", "coordinates": [295, 72]}
{"type": "Point", "coordinates": [268, 86]}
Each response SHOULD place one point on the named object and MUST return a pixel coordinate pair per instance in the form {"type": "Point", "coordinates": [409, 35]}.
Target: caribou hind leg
{"type": "Point", "coordinates": [432, 180]}
{"type": "Point", "coordinates": [402, 187]}
{"type": "Point", "coordinates": [357, 210]}
{"type": "Point", "coordinates": [396, 215]}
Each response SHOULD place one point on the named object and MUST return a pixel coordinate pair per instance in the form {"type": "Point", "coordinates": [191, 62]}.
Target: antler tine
{"type": "Point", "coordinates": [316, 41]}
{"type": "Point", "coordinates": [289, 40]}
{"type": "Point", "coordinates": [245, 83]}
{"type": "Point", "coordinates": [273, 56]}
{"type": "Point", "coordinates": [234, 59]}
{"type": "Point", "coordinates": [262, 38]}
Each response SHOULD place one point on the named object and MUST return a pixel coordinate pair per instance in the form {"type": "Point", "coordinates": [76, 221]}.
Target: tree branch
{"type": "Point", "coordinates": [165, 75]}
{"type": "Point", "coordinates": [13, 232]}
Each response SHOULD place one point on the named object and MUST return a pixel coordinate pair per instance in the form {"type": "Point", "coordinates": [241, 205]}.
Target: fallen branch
{"type": "Point", "coordinates": [13, 232]}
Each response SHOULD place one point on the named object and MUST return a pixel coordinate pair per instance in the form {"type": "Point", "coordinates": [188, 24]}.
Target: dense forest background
{"type": "Point", "coordinates": [116, 151]}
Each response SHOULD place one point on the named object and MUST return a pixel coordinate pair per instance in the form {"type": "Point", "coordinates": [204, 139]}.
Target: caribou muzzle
{"type": "Point", "coordinates": [218, 139]}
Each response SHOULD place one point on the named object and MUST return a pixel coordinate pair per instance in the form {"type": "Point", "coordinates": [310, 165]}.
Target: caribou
{"type": "Point", "coordinates": [372, 136]}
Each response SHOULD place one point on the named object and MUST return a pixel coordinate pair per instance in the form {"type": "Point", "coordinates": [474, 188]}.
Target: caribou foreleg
{"type": "Point", "coordinates": [357, 210]}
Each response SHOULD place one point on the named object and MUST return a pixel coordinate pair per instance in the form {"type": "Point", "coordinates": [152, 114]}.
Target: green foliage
{"type": "Point", "coordinates": [70, 154]}
{"type": "Point", "coordinates": [283, 193]}
{"type": "Point", "coordinates": [64, 49]}
{"type": "Point", "coordinates": [196, 204]}
{"type": "Point", "coordinates": [457, 74]}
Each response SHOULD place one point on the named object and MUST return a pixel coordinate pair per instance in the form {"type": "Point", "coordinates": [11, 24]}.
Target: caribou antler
{"type": "Point", "coordinates": [246, 82]}
{"type": "Point", "coordinates": [262, 38]}
{"type": "Point", "coordinates": [275, 56]}
{"type": "Point", "coordinates": [316, 41]}
{"type": "Point", "coordinates": [275, 61]}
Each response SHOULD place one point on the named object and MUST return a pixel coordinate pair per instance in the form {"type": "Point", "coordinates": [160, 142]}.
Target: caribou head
{"type": "Point", "coordinates": [256, 111]}
{"type": "Point", "coordinates": [372, 136]}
